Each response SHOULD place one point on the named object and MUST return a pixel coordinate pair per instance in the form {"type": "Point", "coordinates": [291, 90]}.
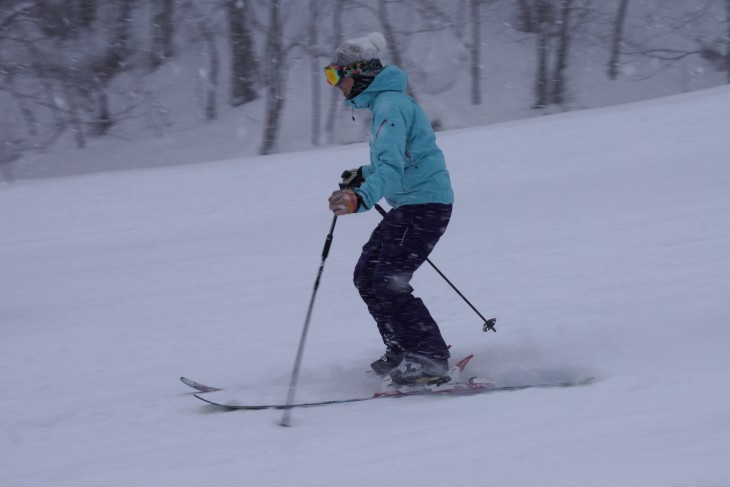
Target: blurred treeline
{"type": "Point", "coordinates": [78, 68]}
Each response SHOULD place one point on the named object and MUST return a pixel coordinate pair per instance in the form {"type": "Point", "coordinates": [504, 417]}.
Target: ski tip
{"type": "Point", "coordinates": [198, 386]}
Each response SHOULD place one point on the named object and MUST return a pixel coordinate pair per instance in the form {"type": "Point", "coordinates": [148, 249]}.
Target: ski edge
{"type": "Point", "coordinates": [257, 407]}
{"type": "Point", "coordinates": [467, 391]}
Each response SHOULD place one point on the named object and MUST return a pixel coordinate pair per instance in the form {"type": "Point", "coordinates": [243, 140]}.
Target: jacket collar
{"type": "Point", "coordinates": [391, 78]}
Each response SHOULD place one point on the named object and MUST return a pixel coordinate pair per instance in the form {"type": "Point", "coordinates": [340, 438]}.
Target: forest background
{"type": "Point", "coordinates": [244, 77]}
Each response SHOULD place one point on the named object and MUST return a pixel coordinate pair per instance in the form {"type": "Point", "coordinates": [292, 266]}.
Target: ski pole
{"type": "Point", "coordinates": [285, 419]}
{"type": "Point", "coordinates": [488, 323]}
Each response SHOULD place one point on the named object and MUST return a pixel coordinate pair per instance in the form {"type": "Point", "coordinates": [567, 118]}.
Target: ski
{"type": "Point", "coordinates": [198, 386]}
{"type": "Point", "coordinates": [453, 387]}
{"type": "Point", "coordinates": [205, 388]}
{"type": "Point", "coordinates": [473, 387]}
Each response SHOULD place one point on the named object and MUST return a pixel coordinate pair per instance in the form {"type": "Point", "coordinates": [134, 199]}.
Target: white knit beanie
{"type": "Point", "coordinates": [361, 49]}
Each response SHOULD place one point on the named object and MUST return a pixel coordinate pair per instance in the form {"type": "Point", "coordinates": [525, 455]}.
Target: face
{"type": "Point", "coordinates": [345, 86]}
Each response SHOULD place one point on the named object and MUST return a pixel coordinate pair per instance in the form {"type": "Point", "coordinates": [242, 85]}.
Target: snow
{"type": "Point", "coordinates": [600, 240]}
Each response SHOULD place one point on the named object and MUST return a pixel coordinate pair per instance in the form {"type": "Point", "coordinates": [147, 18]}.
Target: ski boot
{"type": "Point", "coordinates": [417, 370]}
{"type": "Point", "coordinates": [390, 360]}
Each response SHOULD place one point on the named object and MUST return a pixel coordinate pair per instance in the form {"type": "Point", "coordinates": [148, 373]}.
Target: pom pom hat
{"type": "Point", "coordinates": [359, 59]}
{"type": "Point", "coordinates": [361, 49]}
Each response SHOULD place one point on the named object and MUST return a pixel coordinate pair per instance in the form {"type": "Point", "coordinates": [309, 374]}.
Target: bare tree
{"type": "Point", "coordinates": [275, 84]}
{"type": "Point", "coordinates": [111, 63]}
{"type": "Point", "coordinates": [87, 12]}
{"type": "Point", "coordinates": [210, 76]}
{"type": "Point", "coordinates": [727, 47]}
{"type": "Point", "coordinates": [163, 30]}
{"type": "Point", "coordinates": [713, 52]}
{"type": "Point", "coordinates": [617, 39]}
{"type": "Point", "coordinates": [476, 50]}
{"type": "Point", "coordinates": [688, 26]}
{"type": "Point", "coordinates": [206, 27]}
{"type": "Point", "coordinates": [543, 22]}
{"type": "Point", "coordinates": [243, 62]}
{"type": "Point", "coordinates": [9, 72]}
{"type": "Point", "coordinates": [335, 96]}
{"type": "Point", "coordinates": [527, 20]}
{"type": "Point", "coordinates": [393, 45]}
{"type": "Point", "coordinates": [313, 40]}
{"type": "Point", "coordinates": [557, 93]}
{"type": "Point", "coordinates": [554, 26]}
{"type": "Point", "coordinates": [43, 93]}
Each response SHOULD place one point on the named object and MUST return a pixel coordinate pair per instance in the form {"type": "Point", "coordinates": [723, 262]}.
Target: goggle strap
{"type": "Point", "coordinates": [334, 73]}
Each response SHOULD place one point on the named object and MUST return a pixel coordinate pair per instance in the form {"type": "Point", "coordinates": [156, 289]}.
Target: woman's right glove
{"type": "Point", "coordinates": [344, 202]}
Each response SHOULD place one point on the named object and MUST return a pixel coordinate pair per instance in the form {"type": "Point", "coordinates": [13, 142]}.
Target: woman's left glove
{"type": "Point", "coordinates": [344, 202]}
{"type": "Point", "coordinates": [352, 178]}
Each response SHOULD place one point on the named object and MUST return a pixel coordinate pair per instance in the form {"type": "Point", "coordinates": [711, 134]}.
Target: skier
{"type": "Point", "coordinates": [408, 169]}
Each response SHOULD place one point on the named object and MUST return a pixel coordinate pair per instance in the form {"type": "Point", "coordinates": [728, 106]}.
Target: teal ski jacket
{"type": "Point", "coordinates": [406, 166]}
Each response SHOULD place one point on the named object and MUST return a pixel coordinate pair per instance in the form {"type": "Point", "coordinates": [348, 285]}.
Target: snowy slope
{"type": "Point", "coordinates": [599, 239]}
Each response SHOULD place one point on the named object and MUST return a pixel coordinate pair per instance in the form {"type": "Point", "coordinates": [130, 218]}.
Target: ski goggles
{"type": "Point", "coordinates": [332, 74]}
{"type": "Point", "coordinates": [335, 74]}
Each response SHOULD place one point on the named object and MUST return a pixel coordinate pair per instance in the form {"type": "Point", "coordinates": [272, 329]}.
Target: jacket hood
{"type": "Point", "coordinates": [391, 78]}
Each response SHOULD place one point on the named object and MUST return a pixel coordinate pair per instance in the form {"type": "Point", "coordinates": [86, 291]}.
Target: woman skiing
{"type": "Point", "coordinates": [408, 169]}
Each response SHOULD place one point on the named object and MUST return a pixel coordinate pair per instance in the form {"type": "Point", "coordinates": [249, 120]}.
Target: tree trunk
{"type": "Point", "coordinates": [336, 97]}
{"type": "Point", "coordinates": [561, 62]}
{"type": "Point", "coordinates": [617, 40]}
{"type": "Point", "coordinates": [91, 82]}
{"type": "Point", "coordinates": [392, 42]}
{"type": "Point", "coordinates": [87, 12]}
{"type": "Point", "coordinates": [46, 81]}
{"type": "Point", "coordinates": [25, 110]}
{"type": "Point", "coordinates": [388, 31]}
{"type": "Point", "coordinates": [77, 126]}
{"type": "Point", "coordinates": [544, 15]}
{"type": "Point", "coordinates": [243, 62]}
{"type": "Point", "coordinates": [526, 17]}
{"type": "Point", "coordinates": [476, 49]}
{"type": "Point", "coordinates": [275, 80]}
{"type": "Point", "coordinates": [118, 47]}
{"type": "Point", "coordinates": [103, 121]}
{"type": "Point", "coordinates": [210, 76]}
{"type": "Point", "coordinates": [317, 78]}
{"type": "Point", "coordinates": [163, 30]}
{"type": "Point", "coordinates": [727, 51]}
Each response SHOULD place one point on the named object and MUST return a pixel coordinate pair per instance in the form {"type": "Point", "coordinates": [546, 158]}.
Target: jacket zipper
{"type": "Point", "coordinates": [379, 127]}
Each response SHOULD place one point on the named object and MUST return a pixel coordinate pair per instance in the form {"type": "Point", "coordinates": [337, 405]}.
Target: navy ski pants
{"type": "Point", "coordinates": [397, 247]}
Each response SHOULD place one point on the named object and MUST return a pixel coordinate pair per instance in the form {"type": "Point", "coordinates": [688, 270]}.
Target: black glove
{"type": "Point", "coordinates": [352, 178]}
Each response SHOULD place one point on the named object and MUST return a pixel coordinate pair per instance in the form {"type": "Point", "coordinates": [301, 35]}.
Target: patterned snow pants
{"type": "Point", "coordinates": [396, 249]}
